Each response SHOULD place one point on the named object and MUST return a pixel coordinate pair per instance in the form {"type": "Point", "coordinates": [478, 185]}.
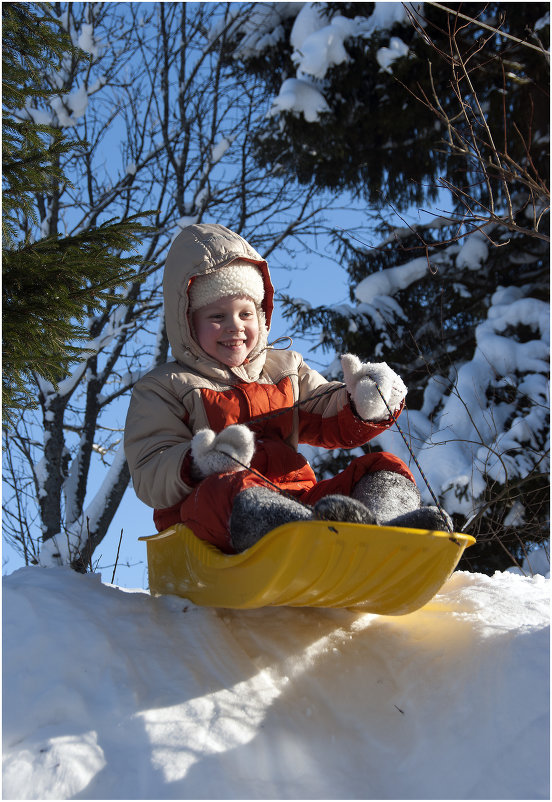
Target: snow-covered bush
{"type": "Point", "coordinates": [468, 330]}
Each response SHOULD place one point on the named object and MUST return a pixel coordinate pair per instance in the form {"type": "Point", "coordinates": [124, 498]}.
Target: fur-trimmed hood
{"type": "Point", "coordinates": [200, 249]}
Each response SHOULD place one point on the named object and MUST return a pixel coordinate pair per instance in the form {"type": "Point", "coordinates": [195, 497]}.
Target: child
{"type": "Point", "coordinates": [229, 403]}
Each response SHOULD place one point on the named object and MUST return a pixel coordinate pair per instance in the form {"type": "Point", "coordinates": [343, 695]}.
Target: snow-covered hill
{"type": "Point", "coordinates": [113, 694]}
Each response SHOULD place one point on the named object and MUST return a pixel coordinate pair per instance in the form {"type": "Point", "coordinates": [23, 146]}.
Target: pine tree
{"type": "Point", "coordinates": [374, 139]}
{"type": "Point", "coordinates": [465, 110]}
{"type": "Point", "coordinates": [51, 283]}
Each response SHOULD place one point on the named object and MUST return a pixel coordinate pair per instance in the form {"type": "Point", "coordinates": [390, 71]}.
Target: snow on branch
{"type": "Point", "coordinates": [472, 436]}
{"type": "Point", "coordinates": [318, 44]}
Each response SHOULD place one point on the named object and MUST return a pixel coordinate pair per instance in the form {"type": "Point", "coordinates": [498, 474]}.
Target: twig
{"type": "Point", "coordinates": [117, 558]}
{"type": "Point", "coordinates": [489, 28]}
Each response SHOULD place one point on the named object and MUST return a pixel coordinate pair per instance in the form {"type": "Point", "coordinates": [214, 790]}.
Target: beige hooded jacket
{"type": "Point", "coordinates": [175, 400]}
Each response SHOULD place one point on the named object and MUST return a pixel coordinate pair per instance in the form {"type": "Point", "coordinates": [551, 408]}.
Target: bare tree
{"type": "Point", "coordinates": [162, 125]}
{"type": "Point", "coordinates": [502, 156]}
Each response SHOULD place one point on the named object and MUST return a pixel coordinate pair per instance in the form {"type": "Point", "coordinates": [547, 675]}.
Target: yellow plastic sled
{"type": "Point", "coordinates": [384, 570]}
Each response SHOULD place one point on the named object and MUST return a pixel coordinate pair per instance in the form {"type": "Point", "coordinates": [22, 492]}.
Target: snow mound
{"type": "Point", "coordinates": [113, 694]}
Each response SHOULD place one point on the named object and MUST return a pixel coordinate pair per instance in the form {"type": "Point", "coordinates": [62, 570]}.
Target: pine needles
{"type": "Point", "coordinates": [51, 283]}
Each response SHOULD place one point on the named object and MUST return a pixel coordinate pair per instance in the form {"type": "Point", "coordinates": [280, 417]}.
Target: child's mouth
{"type": "Point", "coordinates": [233, 344]}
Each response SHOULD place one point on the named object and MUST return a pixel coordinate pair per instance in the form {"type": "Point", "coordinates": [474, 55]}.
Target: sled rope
{"type": "Point", "coordinates": [419, 467]}
{"type": "Point", "coordinates": [333, 389]}
{"type": "Point", "coordinates": [279, 490]}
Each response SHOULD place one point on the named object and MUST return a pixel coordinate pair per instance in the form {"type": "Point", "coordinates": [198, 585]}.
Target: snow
{"type": "Point", "coordinates": [309, 20]}
{"type": "Point", "coordinates": [87, 42]}
{"type": "Point", "coordinates": [67, 108]}
{"type": "Point", "coordinates": [387, 55]}
{"type": "Point", "coordinates": [318, 40]}
{"type": "Point", "coordinates": [220, 149]}
{"type": "Point", "coordinates": [299, 97]}
{"type": "Point", "coordinates": [536, 562]}
{"type": "Point", "coordinates": [387, 14]}
{"type": "Point", "coordinates": [480, 436]}
{"type": "Point", "coordinates": [40, 475]}
{"type": "Point", "coordinates": [386, 282]}
{"type": "Point", "coordinates": [78, 102]}
{"type": "Point", "coordinates": [543, 22]}
{"type": "Point", "coordinates": [319, 49]}
{"type": "Point", "coordinates": [112, 694]}
{"type": "Point", "coordinates": [261, 28]}
{"type": "Point", "coordinates": [462, 436]}
{"type": "Point", "coordinates": [474, 251]}
{"type": "Point", "coordinates": [38, 116]}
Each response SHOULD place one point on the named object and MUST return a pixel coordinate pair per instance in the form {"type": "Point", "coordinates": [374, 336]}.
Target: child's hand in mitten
{"type": "Point", "coordinates": [361, 378]}
{"type": "Point", "coordinates": [214, 453]}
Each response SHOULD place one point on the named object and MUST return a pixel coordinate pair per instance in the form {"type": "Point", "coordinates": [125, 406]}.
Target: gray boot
{"type": "Point", "coordinates": [342, 508]}
{"type": "Point", "coordinates": [257, 511]}
{"type": "Point", "coordinates": [425, 518]}
{"type": "Point", "coordinates": [394, 500]}
{"type": "Point", "coordinates": [387, 494]}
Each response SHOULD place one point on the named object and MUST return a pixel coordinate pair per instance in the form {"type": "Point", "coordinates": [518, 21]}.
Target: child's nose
{"type": "Point", "coordinates": [235, 324]}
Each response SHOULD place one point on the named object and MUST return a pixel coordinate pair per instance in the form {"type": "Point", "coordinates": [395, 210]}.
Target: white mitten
{"type": "Point", "coordinates": [213, 453]}
{"type": "Point", "coordinates": [361, 378]}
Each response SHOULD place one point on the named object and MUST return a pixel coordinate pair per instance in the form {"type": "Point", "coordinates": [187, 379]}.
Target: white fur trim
{"type": "Point", "coordinates": [238, 278]}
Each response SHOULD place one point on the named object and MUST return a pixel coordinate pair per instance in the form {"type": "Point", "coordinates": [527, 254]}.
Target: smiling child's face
{"type": "Point", "coordinates": [227, 329]}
